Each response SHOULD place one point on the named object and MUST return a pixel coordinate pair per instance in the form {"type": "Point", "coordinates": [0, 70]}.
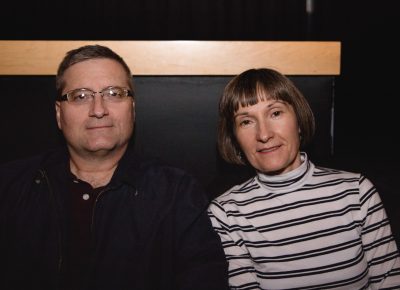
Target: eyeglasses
{"type": "Point", "coordinates": [84, 96]}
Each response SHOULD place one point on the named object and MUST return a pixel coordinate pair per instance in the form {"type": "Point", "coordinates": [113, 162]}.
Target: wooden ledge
{"type": "Point", "coordinates": [22, 57]}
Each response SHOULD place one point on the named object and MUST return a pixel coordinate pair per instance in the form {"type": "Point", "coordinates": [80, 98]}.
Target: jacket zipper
{"type": "Point", "coordinates": [60, 256]}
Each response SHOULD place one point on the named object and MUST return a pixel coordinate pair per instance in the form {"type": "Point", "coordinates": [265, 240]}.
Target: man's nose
{"type": "Point", "coordinates": [98, 107]}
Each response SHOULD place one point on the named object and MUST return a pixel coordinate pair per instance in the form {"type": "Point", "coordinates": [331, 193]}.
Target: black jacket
{"type": "Point", "coordinates": [150, 228]}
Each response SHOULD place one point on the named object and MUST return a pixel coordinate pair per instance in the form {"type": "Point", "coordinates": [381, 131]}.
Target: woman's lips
{"type": "Point", "coordinates": [268, 150]}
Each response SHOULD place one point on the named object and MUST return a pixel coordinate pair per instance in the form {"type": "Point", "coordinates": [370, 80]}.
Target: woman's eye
{"type": "Point", "coordinates": [244, 123]}
{"type": "Point", "coordinates": [276, 114]}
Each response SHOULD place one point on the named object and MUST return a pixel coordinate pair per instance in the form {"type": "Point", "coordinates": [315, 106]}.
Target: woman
{"type": "Point", "coordinates": [294, 224]}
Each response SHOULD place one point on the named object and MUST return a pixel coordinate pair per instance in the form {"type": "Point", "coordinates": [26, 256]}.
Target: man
{"type": "Point", "coordinates": [93, 215]}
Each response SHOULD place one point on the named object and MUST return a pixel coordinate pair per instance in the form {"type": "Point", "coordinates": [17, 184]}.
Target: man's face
{"type": "Point", "coordinates": [99, 126]}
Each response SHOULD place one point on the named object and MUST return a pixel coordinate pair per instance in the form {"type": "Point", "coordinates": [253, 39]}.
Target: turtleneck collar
{"type": "Point", "coordinates": [290, 180]}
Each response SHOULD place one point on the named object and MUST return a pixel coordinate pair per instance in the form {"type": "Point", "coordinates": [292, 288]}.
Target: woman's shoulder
{"type": "Point", "coordinates": [325, 175]}
{"type": "Point", "coordinates": [237, 192]}
{"type": "Point", "coordinates": [327, 171]}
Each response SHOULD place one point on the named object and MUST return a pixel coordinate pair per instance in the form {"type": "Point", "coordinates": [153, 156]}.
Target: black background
{"type": "Point", "coordinates": [366, 92]}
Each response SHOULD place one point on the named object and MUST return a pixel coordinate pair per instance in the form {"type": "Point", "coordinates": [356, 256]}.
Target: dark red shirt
{"type": "Point", "coordinates": [82, 202]}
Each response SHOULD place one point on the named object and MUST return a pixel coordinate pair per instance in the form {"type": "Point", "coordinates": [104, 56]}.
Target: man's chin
{"type": "Point", "coordinates": [96, 150]}
{"type": "Point", "coordinates": [103, 149]}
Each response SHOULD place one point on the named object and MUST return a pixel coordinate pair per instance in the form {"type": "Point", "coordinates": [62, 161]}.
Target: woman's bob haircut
{"type": "Point", "coordinates": [247, 89]}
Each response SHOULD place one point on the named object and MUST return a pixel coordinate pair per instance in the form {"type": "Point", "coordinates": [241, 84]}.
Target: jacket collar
{"type": "Point", "coordinates": [129, 169]}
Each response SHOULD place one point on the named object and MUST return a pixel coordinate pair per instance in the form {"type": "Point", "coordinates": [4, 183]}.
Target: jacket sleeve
{"type": "Point", "coordinates": [242, 274]}
{"type": "Point", "coordinates": [202, 264]}
{"type": "Point", "coordinates": [378, 242]}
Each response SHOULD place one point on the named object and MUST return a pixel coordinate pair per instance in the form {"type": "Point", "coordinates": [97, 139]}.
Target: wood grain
{"type": "Point", "coordinates": [21, 57]}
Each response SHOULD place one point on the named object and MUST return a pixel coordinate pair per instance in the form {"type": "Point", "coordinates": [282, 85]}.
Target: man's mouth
{"type": "Point", "coordinates": [99, 127]}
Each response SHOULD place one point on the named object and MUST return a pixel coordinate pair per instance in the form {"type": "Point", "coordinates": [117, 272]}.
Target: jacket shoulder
{"type": "Point", "coordinates": [20, 167]}
{"type": "Point", "coordinates": [153, 169]}
{"type": "Point", "coordinates": [166, 181]}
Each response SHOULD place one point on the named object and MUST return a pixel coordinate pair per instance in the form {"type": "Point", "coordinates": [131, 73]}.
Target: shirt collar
{"type": "Point", "coordinates": [289, 180]}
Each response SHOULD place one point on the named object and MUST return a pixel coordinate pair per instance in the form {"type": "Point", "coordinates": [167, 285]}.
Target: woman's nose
{"type": "Point", "coordinates": [264, 133]}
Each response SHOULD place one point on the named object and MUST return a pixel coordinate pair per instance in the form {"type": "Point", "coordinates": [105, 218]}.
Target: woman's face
{"type": "Point", "coordinates": [268, 134]}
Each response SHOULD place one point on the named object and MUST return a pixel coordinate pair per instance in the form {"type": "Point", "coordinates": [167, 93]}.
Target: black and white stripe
{"type": "Point", "coordinates": [312, 228]}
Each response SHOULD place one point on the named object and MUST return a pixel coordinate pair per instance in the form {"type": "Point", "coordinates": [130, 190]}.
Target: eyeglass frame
{"type": "Point", "coordinates": [64, 97]}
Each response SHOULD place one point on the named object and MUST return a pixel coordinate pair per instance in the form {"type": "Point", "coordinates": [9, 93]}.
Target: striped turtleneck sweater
{"type": "Point", "coordinates": [311, 228]}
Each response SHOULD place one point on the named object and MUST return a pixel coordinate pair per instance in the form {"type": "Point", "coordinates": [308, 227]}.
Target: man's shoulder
{"type": "Point", "coordinates": [151, 167]}
{"type": "Point", "coordinates": [19, 166]}
{"type": "Point", "coordinates": [162, 188]}
{"type": "Point", "coordinates": [159, 166]}
{"type": "Point", "coordinates": [15, 176]}
{"type": "Point", "coordinates": [29, 165]}
{"type": "Point", "coordinates": [160, 176]}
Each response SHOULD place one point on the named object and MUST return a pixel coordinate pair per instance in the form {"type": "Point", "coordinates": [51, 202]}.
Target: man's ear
{"type": "Point", "coordinates": [58, 108]}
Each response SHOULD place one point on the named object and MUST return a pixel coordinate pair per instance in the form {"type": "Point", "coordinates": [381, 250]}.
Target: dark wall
{"type": "Point", "coordinates": [176, 119]}
{"type": "Point", "coordinates": [367, 30]}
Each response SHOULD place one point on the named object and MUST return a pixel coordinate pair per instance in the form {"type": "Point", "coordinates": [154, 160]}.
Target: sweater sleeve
{"type": "Point", "coordinates": [378, 242]}
{"type": "Point", "coordinates": [242, 274]}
